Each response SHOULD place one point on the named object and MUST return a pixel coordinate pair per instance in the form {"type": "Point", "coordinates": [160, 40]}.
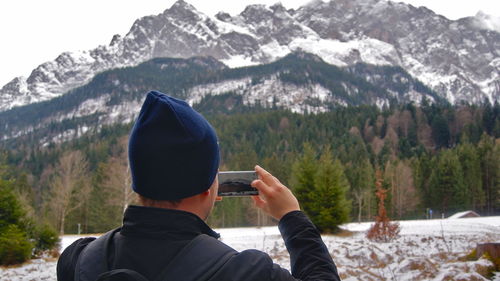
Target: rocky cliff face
{"type": "Point", "coordinates": [460, 59]}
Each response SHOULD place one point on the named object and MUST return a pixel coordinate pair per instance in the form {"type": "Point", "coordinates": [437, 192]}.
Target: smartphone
{"type": "Point", "coordinates": [237, 183]}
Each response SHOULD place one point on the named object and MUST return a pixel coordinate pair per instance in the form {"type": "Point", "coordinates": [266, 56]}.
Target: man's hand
{"type": "Point", "coordinates": [274, 198]}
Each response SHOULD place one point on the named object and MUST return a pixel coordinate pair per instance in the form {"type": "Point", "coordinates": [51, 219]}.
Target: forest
{"type": "Point", "coordinates": [432, 157]}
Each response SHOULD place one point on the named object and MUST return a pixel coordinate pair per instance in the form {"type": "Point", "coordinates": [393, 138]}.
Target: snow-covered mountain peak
{"type": "Point", "coordinates": [458, 59]}
{"type": "Point", "coordinates": [182, 9]}
{"type": "Point", "coordinates": [256, 13]}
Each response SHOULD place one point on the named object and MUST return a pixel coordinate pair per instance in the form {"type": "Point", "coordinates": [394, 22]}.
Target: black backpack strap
{"type": "Point", "coordinates": [124, 274]}
{"type": "Point", "coordinates": [198, 261]}
{"type": "Point", "coordinates": [93, 259]}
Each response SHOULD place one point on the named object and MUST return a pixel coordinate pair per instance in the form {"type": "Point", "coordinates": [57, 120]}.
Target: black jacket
{"type": "Point", "coordinates": [151, 237]}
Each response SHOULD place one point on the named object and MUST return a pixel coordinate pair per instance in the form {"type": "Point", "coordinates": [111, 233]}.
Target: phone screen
{"type": "Point", "coordinates": [237, 183]}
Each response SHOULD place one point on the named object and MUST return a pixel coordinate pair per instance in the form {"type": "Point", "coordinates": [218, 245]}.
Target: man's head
{"type": "Point", "coordinates": [173, 150]}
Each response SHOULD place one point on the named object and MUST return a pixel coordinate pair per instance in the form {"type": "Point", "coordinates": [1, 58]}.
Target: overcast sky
{"type": "Point", "coordinates": [35, 31]}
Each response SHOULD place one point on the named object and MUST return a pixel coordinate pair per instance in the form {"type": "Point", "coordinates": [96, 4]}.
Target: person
{"type": "Point", "coordinates": [174, 161]}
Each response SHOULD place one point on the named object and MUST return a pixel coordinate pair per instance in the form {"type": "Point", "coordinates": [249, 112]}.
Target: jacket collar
{"type": "Point", "coordinates": [158, 222]}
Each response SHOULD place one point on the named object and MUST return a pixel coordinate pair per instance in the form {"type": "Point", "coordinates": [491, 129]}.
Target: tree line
{"type": "Point", "coordinates": [432, 157]}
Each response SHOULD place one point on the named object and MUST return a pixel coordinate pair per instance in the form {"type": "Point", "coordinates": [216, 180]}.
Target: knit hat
{"type": "Point", "coordinates": [173, 151]}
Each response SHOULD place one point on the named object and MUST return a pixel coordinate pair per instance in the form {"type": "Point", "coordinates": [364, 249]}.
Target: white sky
{"type": "Point", "coordinates": [35, 31]}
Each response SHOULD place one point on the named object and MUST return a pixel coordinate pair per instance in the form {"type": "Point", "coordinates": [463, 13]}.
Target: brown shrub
{"type": "Point", "coordinates": [383, 230]}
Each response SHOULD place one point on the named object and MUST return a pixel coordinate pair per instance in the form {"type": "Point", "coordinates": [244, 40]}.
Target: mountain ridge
{"type": "Point", "coordinates": [457, 59]}
{"type": "Point", "coordinates": [299, 82]}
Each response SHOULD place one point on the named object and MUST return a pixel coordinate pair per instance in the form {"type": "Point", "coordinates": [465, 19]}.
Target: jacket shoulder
{"type": "Point", "coordinates": [250, 265]}
{"type": "Point", "coordinates": [67, 261]}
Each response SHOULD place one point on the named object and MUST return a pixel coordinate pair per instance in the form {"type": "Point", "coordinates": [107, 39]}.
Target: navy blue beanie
{"type": "Point", "coordinates": [173, 151]}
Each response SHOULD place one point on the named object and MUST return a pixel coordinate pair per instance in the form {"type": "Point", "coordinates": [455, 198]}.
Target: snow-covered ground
{"type": "Point", "coordinates": [425, 250]}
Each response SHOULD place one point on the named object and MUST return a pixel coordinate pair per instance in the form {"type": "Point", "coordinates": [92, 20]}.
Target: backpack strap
{"type": "Point", "coordinates": [93, 259]}
{"type": "Point", "coordinates": [123, 273]}
{"type": "Point", "coordinates": [198, 261]}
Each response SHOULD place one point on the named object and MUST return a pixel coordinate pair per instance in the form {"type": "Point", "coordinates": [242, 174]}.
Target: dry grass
{"type": "Point", "coordinates": [344, 233]}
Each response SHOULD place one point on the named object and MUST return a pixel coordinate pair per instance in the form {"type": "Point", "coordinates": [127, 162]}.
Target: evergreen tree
{"type": "Point", "coordinates": [11, 211]}
{"type": "Point", "coordinates": [489, 152]}
{"type": "Point", "coordinates": [471, 167]}
{"type": "Point", "coordinates": [446, 183]}
{"type": "Point", "coordinates": [321, 187]}
{"type": "Point", "coordinates": [329, 205]}
{"type": "Point", "coordinates": [303, 176]}
{"type": "Point", "coordinates": [20, 236]}
{"type": "Point", "coordinates": [422, 170]}
{"type": "Point", "coordinates": [488, 118]}
{"type": "Point", "coordinates": [440, 131]}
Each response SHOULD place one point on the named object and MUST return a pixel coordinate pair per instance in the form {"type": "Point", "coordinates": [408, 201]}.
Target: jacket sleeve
{"type": "Point", "coordinates": [67, 261]}
{"type": "Point", "coordinates": [309, 257]}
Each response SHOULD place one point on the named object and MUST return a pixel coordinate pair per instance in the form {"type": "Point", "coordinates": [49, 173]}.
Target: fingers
{"type": "Point", "coordinates": [265, 189]}
{"type": "Point", "coordinates": [261, 186]}
{"type": "Point", "coordinates": [259, 202]}
{"type": "Point", "coordinates": [274, 198]}
{"type": "Point", "coordinates": [265, 175]}
{"type": "Point", "coordinates": [267, 183]}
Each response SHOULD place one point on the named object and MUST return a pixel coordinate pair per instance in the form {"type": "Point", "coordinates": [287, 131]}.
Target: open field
{"type": "Point", "coordinates": [425, 250]}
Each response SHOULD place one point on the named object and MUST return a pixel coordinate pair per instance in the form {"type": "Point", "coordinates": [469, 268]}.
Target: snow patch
{"type": "Point", "coordinates": [339, 53]}
{"type": "Point", "coordinates": [239, 61]}
{"type": "Point", "coordinates": [426, 250]}
{"type": "Point", "coordinates": [486, 21]}
{"type": "Point", "coordinates": [269, 92]}
{"type": "Point", "coordinates": [197, 93]}
{"type": "Point", "coordinates": [89, 107]}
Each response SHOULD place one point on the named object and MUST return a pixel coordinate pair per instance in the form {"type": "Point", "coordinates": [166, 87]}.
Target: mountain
{"type": "Point", "coordinates": [458, 59]}
{"type": "Point", "coordinates": [299, 82]}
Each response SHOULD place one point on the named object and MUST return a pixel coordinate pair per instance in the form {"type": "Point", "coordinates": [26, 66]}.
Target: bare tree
{"type": "Point", "coordinates": [69, 187]}
{"type": "Point", "coordinates": [424, 130]}
{"type": "Point", "coordinates": [118, 182]}
{"type": "Point", "coordinates": [405, 122]}
{"type": "Point", "coordinates": [361, 178]}
{"type": "Point", "coordinates": [404, 195]}
{"type": "Point", "coordinates": [118, 179]}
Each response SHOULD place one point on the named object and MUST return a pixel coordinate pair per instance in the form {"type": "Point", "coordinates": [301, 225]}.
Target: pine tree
{"type": "Point", "coordinates": [303, 176]}
{"type": "Point", "coordinates": [321, 187]}
{"type": "Point", "coordinates": [471, 167]}
{"type": "Point", "coordinates": [422, 170]}
{"type": "Point", "coordinates": [489, 152]}
{"type": "Point", "coordinates": [329, 205]}
{"type": "Point", "coordinates": [440, 131]}
{"type": "Point", "coordinates": [447, 184]}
